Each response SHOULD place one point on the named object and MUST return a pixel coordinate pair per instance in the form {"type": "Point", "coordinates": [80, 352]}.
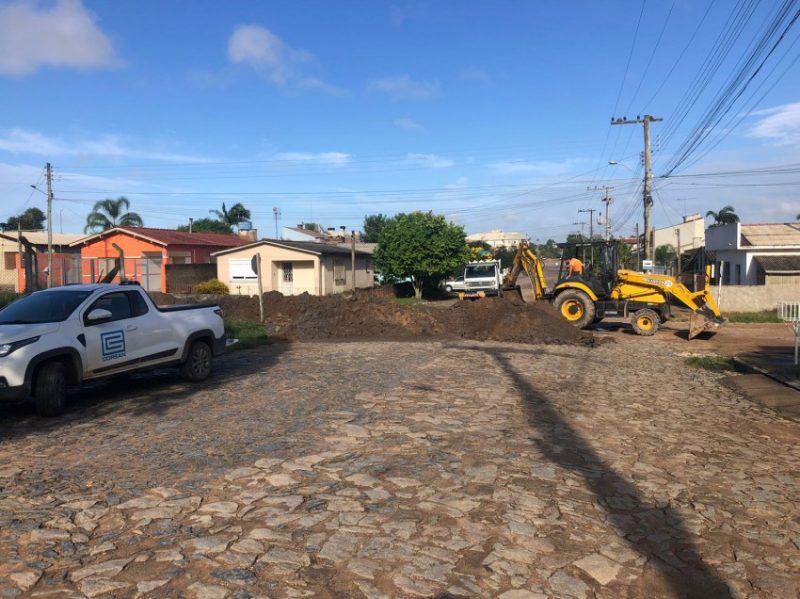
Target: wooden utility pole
{"type": "Point", "coordinates": [647, 191]}
{"type": "Point", "coordinates": [678, 235]}
{"type": "Point", "coordinates": [260, 287]}
{"type": "Point", "coordinates": [49, 174]}
{"type": "Point", "coordinates": [353, 256]}
{"type": "Point", "coordinates": [591, 212]}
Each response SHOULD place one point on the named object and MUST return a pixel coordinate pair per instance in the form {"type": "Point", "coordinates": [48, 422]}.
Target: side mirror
{"type": "Point", "coordinates": [98, 314]}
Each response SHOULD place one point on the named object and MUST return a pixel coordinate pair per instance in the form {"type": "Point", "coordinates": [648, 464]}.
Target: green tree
{"type": "Point", "coordinates": [373, 225]}
{"type": "Point", "coordinates": [625, 256]}
{"type": "Point", "coordinates": [30, 220]}
{"type": "Point", "coordinates": [109, 213]}
{"type": "Point", "coordinates": [207, 225]}
{"type": "Point", "coordinates": [549, 249]}
{"type": "Point", "coordinates": [232, 216]}
{"type": "Point", "coordinates": [726, 216]}
{"type": "Point", "coordinates": [665, 255]}
{"type": "Point", "coordinates": [420, 245]}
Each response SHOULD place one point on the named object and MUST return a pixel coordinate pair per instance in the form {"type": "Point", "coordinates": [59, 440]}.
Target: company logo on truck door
{"type": "Point", "coordinates": [113, 345]}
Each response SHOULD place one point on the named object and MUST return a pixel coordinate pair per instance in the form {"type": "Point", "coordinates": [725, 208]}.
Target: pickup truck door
{"type": "Point", "coordinates": [117, 342]}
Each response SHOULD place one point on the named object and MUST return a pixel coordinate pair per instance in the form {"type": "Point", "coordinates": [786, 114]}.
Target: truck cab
{"type": "Point", "coordinates": [482, 279]}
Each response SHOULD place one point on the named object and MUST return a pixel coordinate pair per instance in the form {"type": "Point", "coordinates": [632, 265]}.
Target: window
{"type": "Point", "coordinates": [138, 305]}
{"type": "Point", "coordinates": [242, 270]}
{"type": "Point", "coordinates": [117, 303]}
{"type": "Point", "coordinates": [10, 260]}
{"type": "Point", "coordinates": [288, 272]}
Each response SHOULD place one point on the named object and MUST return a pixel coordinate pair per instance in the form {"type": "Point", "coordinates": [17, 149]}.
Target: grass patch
{"type": "Point", "coordinates": [715, 363]}
{"type": "Point", "coordinates": [753, 317]}
{"type": "Point", "coordinates": [250, 334]}
{"type": "Point", "coordinates": [408, 301]}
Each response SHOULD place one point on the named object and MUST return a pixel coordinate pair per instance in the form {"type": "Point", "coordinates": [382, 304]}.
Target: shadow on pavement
{"type": "Point", "coordinates": [659, 534]}
{"type": "Point", "coordinates": [153, 392]}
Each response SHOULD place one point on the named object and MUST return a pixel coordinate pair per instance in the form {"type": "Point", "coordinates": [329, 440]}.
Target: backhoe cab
{"type": "Point", "coordinates": [603, 289]}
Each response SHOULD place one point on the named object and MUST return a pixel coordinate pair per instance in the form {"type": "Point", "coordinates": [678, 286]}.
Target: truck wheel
{"type": "Point", "coordinates": [576, 307]}
{"type": "Point", "coordinates": [645, 322]}
{"type": "Point", "coordinates": [50, 389]}
{"type": "Point", "coordinates": [448, 288]}
{"type": "Point", "coordinates": [197, 366]}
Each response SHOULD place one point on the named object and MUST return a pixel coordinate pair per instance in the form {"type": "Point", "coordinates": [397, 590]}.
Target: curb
{"type": "Point", "coordinates": [747, 367]}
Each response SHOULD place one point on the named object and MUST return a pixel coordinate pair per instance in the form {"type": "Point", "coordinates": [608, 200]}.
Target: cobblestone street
{"type": "Point", "coordinates": [393, 469]}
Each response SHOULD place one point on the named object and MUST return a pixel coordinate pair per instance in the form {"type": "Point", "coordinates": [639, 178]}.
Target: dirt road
{"type": "Point", "coordinates": [389, 469]}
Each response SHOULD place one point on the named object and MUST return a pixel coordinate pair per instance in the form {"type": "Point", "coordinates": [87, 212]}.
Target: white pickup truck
{"type": "Point", "coordinates": [60, 337]}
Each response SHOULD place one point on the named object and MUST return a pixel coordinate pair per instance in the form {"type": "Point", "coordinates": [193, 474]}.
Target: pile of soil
{"type": "Point", "coordinates": [365, 315]}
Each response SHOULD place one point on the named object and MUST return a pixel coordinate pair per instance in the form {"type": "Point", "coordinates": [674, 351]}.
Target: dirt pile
{"type": "Point", "coordinates": [366, 315]}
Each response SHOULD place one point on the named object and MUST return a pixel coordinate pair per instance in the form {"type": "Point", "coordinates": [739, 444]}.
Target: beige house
{"type": "Point", "coordinates": [683, 237]}
{"type": "Point", "coordinates": [294, 267]}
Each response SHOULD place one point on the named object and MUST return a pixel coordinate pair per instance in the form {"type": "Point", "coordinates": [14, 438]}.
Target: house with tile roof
{"type": "Point", "coordinates": [295, 267]}
{"type": "Point", "coordinates": [756, 254]}
{"type": "Point", "coordinates": [149, 252]}
{"type": "Point", "coordinates": [66, 259]}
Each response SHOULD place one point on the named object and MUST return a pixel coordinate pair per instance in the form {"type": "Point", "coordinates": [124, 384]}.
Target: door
{"type": "Point", "coordinates": [287, 278]}
{"type": "Point", "coordinates": [151, 273]}
{"type": "Point", "coordinates": [118, 341]}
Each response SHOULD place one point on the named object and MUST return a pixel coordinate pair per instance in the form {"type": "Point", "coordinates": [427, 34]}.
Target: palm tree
{"type": "Point", "coordinates": [726, 216]}
{"type": "Point", "coordinates": [234, 216]}
{"type": "Point", "coordinates": [109, 213]}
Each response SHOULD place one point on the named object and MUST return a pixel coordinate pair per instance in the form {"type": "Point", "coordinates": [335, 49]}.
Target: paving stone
{"type": "Point", "coordinates": [599, 567]}
{"type": "Point", "coordinates": [95, 587]}
{"type": "Point", "coordinates": [199, 590]}
{"type": "Point", "coordinates": [106, 568]}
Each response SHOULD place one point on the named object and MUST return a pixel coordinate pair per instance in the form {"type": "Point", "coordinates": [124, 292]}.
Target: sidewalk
{"type": "Point", "coordinates": [773, 380]}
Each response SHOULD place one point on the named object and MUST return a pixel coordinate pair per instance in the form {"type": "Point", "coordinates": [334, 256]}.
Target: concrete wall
{"type": "Point", "coordinates": [692, 235]}
{"type": "Point", "coordinates": [755, 298]}
{"type": "Point", "coordinates": [183, 278]}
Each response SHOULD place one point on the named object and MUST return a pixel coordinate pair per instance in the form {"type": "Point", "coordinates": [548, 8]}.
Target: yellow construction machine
{"type": "Point", "coordinates": [604, 290]}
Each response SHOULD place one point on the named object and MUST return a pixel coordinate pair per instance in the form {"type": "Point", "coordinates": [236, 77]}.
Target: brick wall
{"type": "Point", "coordinates": [182, 278]}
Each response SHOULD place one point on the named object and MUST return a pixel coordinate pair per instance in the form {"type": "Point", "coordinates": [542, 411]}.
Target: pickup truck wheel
{"type": "Point", "coordinates": [576, 307]}
{"type": "Point", "coordinates": [50, 389]}
{"type": "Point", "coordinates": [197, 366]}
{"type": "Point", "coordinates": [448, 288]}
{"type": "Point", "coordinates": [645, 322]}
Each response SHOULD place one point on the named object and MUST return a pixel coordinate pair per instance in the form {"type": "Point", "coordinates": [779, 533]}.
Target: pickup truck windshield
{"type": "Point", "coordinates": [53, 305]}
{"type": "Point", "coordinates": [481, 272]}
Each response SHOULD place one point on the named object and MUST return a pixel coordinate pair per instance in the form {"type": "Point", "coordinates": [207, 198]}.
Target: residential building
{"type": "Point", "coordinates": [758, 254]}
{"type": "Point", "coordinates": [66, 260]}
{"type": "Point", "coordinates": [299, 233]}
{"type": "Point", "coordinates": [294, 267]}
{"type": "Point", "coordinates": [497, 238]}
{"type": "Point", "coordinates": [683, 237]}
{"type": "Point", "coordinates": [149, 252]}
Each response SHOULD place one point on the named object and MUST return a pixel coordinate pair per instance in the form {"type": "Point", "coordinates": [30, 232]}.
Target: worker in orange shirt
{"type": "Point", "coordinates": [574, 266]}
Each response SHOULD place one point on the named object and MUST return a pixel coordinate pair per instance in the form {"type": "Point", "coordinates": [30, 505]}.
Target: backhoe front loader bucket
{"type": "Point", "coordinates": [703, 320]}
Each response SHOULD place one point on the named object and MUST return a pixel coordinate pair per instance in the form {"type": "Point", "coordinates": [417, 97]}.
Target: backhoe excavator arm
{"type": "Point", "coordinates": [526, 260]}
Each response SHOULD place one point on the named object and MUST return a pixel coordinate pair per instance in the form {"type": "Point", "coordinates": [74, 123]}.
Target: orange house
{"type": "Point", "coordinates": [147, 252]}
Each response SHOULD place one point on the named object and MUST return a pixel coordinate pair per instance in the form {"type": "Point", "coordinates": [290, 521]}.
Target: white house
{"type": "Point", "coordinates": [683, 237]}
{"type": "Point", "coordinates": [497, 238]}
{"type": "Point", "coordinates": [761, 254]}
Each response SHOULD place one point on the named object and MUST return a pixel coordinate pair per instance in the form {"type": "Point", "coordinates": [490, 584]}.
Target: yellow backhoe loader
{"type": "Point", "coordinates": [604, 290]}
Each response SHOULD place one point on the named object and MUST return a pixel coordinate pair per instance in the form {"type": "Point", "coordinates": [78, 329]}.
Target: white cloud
{"type": "Point", "coordinates": [473, 74]}
{"type": "Point", "coordinates": [404, 87]}
{"type": "Point", "coordinates": [406, 123]}
{"type": "Point", "coordinates": [780, 124]}
{"type": "Point", "coordinates": [538, 167]}
{"type": "Point", "coordinates": [429, 160]}
{"type": "Point", "coordinates": [257, 47]}
{"type": "Point", "coordinates": [61, 35]}
{"type": "Point", "coordinates": [327, 158]}
{"type": "Point", "coordinates": [20, 141]}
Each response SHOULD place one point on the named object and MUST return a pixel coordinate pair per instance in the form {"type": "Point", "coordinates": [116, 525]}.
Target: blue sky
{"type": "Point", "coordinates": [494, 114]}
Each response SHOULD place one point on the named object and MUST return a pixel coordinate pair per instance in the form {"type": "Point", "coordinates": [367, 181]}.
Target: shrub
{"type": "Point", "coordinates": [213, 287]}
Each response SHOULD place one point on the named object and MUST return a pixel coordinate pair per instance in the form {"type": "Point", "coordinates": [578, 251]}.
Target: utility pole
{"type": "Point", "coordinates": [581, 223]}
{"type": "Point", "coordinates": [607, 199]}
{"type": "Point", "coordinates": [678, 235]}
{"type": "Point", "coordinates": [591, 212]}
{"type": "Point", "coordinates": [638, 250]}
{"type": "Point", "coordinates": [191, 222]}
{"type": "Point", "coordinates": [49, 174]}
{"type": "Point", "coordinates": [353, 256]}
{"type": "Point", "coordinates": [647, 191]}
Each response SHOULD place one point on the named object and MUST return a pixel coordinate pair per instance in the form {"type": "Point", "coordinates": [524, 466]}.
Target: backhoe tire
{"type": "Point", "coordinates": [645, 322]}
{"type": "Point", "coordinates": [50, 390]}
{"type": "Point", "coordinates": [575, 307]}
{"type": "Point", "coordinates": [197, 366]}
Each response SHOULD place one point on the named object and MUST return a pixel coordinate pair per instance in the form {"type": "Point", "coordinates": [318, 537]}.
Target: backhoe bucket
{"type": "Point", "coordinates": [700, 322]}
{"type": "Point", "coordinates": [526, 293]}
